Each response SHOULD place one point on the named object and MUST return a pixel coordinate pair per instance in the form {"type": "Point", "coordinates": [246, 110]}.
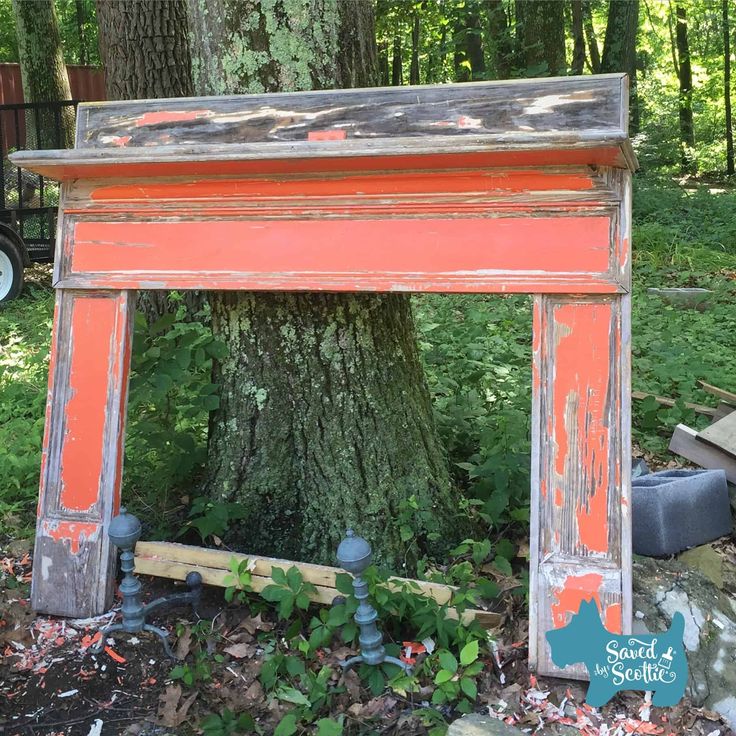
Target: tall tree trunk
{"type": "Point", "coordinates": [593, 52]}
{"type": "Point", "coordinates": [80, 18]}
{"type": "Point", "coordinates": [144, 48]}
{"type": "Point", "coordinates": [397, 76]}
{"type": "Point", "coordinates": [544, 38]}
{"type": "Point", "coordinates": [325, 419]}
{"type": "Point", "coordinates": [685, 75]}
{"type": "Point", "coordinates": [414, 67]}
{"type": "Point", "coordinates": [43, 73]}
{"type": "Point", "coordinates": [470, 61]}
{"type": "Point", "coordinates": [727, 90]}
{"type": "Point", "coordinates": [384, 69]}
{"type": "Point", "coordinates": [578, 35]}
{"type": "Point", "coordinates": [619, 48]}
{"type": "Point", "coordinates": [502, 45]}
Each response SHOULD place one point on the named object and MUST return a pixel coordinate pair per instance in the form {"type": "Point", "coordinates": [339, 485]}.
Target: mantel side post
{"type": "Point", "coordinates": [82, 451]}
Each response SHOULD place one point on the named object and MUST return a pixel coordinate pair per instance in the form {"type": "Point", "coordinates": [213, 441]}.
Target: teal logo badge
{"type": "Point", "coordinates": [615, 662]}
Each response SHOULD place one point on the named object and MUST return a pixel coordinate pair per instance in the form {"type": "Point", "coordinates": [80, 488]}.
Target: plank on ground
{"type": "Point", "coordinates": [174, 561]}
{"type": "Point", "coordinates": [728, 396]}
{"type": "Point", "coordinates": [721, 435]}
{"type": "Point", "coordinates": [685, 442]}
{"type": "Point", "coordinates": [698, 408]}
{"type": "Point", "coordinates": [722, 410]}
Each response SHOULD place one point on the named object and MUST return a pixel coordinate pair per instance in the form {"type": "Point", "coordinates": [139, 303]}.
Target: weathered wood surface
{"type": "Point", "coordinates": [82, 452]}
{"type": "Point", "coordinates": [580, 473]}
{"type": "Point", "coordinates": [166, 559]}
{"type": "Point", "coordinates": [539, 122]}
{"type": "Point", "coordinates": [709, 411]}
{"type": "Point", "coordinates": [721, 435]}
{"type": "Point", "coordinates": [685, 442]}
{"type": "Point", "coordinates": [722, 410]}
{"type": "Point", "coordinates": [727, 396]}
{"type": "Point", "coordinates": [564, 108]}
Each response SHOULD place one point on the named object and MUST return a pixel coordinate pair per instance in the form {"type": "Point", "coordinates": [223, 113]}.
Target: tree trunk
{"type": "Point", "coordinates": [144, 48]}
{"type": "Point", "coordinates": [593, 52]}
{"type": "Point", "coordinates": [397, 77]}
{"type": "Point", "coordinates": [80, 18]}
{"type": "Point", "coordinates": [685, 74]}
{"type": "Point", "coordinates": [578, 35]}
{"type": "Point", "coordinates": [414, 67]}
{"type": "Point", "coordinates": [502, 45]}
{"type": "Point", "coordinates": [544, 38]}
{"type": "Point", "coordinates": [384, 69]}
{"type": "Point", "coordinates": [44, 74]}
{"type": "Point", "coordinates": [470, 63]}
{"type": "Point", "coordinates": [619, 48]}
{"type": "Point", "coordinates": [325, 419]}
{"type": "Point", "coordinates": [727, 90]}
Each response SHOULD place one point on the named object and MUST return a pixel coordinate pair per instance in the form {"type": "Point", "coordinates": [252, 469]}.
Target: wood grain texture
{"type": "Point", "coordinates": [721, 435]}
{"type": "Point", "coordinates": [322, 576]}
{"type": "Point", "coordinates": [567, 107]}
{"type": "Point", "coordinates": [581, 443]}
{"type": "Point", "coordinates": [82, 452]}
{"type": "Point", "coordinates": [685, 442]}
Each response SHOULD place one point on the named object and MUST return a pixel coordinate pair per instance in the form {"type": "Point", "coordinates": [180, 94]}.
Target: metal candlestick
{"type": "Point", "coordinates": [124, 533]}
{"type": "Point", "coordinates": [354, 555]}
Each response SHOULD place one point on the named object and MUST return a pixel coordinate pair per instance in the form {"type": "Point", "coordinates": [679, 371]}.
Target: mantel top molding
{"type": "Point", "coordinates": [521, 123]}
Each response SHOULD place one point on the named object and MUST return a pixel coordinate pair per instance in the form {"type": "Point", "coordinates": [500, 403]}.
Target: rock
{"type": "Point", "coordinates": [706, 560]}
{"type": "Point", "coordinates": [476, 724]}
{"type": "Point", "coordinates": [662, 587]}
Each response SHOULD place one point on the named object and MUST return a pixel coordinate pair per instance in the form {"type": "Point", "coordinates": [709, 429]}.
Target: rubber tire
{"type": "Point", "coordinates": [10, 249]}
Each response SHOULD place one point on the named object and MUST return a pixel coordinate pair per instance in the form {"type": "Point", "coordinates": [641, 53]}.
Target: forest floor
{"type": "Point", "coordinates": [51, 684]}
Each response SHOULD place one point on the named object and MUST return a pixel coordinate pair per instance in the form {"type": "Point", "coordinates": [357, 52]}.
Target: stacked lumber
{"type": "Point", "coordinates": [715, 446]}
{"type": "Point", "coordinates": [174, 561]}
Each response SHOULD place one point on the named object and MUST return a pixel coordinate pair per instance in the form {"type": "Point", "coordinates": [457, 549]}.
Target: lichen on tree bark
{"type": "Point", "coordinates": [325, 419]}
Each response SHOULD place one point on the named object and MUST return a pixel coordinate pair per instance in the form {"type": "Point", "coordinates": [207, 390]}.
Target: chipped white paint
{"type": "Point", "coordinates": [46, 563]}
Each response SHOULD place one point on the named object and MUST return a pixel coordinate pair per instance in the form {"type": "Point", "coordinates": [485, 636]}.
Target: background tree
{"type": "Point", "coordinates": [543, 37]}
{"type": "Point", "coordinates": [685, 77]}
{"type": "Point", "coordinates": [44, 73]}
{"type": "Point", "coordinates": [727, 89]}
{"type": "Point", "coordinates": [325, 419]}
{"type": "Point", "coordinates": [578, 38]}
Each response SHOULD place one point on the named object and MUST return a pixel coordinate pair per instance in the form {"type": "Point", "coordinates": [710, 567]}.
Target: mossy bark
{"type": "Point", "coordinates": [44, 74]}
{"type": "Point", "coordinates": [325, 419]}
{"type": "Point", "coordinates": [325, 422]}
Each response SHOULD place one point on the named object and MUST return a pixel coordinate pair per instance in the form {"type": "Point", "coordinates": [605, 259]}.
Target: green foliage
{"type": "Point", "coordinates": [455, 680]}
{"type": "Point", "coordinates": [171, 394]}
{"type": "Point", "coordinates": [288, 590]}
{"type": "Point", "coordinates": [211, 518]}
{"type": "Point", "coordinates": [238, 580]}
{"type": "Point", "coordinates": [477, 357]}
{"type": "Point", "coordinates": [227, 723]}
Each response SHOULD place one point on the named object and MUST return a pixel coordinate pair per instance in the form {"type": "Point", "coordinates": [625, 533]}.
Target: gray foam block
{"type": "Point", "coordinates": [673, 510]}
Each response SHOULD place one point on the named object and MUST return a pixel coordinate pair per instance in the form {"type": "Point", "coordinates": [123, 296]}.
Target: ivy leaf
{"type": "Point", "coordinates": [448, 661]}
{"type": "Point", "coordinates": [278, 576]}
{"type": "Point", "coordinates": [469, 687]}
{"type": "Point", "coordinates": [328, 727]}
{"type": "Point", "coordinates": [443, 676]}
{"type": "Point", "coordinates": [292, 695]}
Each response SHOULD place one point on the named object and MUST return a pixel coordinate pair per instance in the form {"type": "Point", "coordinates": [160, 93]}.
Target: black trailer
{"type": "Point", "coordinates": [28, 203]}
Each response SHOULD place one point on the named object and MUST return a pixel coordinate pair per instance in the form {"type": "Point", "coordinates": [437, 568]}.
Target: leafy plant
{"type": "Point", "coordinates": [288, 590]}
{"type": "Point", "coordinates": [228, 723]}
{"type": "Point", "coordinates": [455, 680]}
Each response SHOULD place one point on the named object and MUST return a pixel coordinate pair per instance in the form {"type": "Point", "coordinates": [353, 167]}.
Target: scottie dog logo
{"type": "Point", "coordinates": [632, 662]}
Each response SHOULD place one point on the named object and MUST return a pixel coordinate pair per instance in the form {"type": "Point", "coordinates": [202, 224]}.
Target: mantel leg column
{"type": "Point", "coordinates": [82, 452]}
{"type": "Point", "coordinates": [580, 514]}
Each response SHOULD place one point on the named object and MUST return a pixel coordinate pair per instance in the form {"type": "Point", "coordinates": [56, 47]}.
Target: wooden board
{"type": "Point", "coordinates": [728, 396]}
{"type": "Point", "coordinates": [685, 442]}
{"type": "Point", "coordinates": [722, 410]}
{"type": "Point", "coordinates": [709, 411]}
{"type": "Point", "coordinates": [721, 435]}
{"type": "Point", "coordinates": [166, 559]}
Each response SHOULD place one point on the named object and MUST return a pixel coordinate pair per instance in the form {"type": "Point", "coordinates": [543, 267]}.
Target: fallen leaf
{"type": "Point", "coordinates": [239, 651]}
{"type": "Point", "coordinates": [170, 713]}
{"type": "Point", "coordinates": [184, 643]}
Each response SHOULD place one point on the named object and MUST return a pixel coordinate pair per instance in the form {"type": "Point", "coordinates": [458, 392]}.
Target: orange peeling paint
{"type": "Point", "coordinates": [173, 116]}
{"type": "Point", "coordinates": [575, 590]}
{"type": "Point", "coordinates": [581, 431]}
{"type": "Point", "coordinates": [558, 497]}
{"type": "Point", "coordinates": [93, 322]}
{"type": "Point", "coordinates": [73, 532]}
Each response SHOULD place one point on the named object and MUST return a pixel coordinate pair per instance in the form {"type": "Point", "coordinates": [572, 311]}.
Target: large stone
{"type": "Point", "coordinates": [663, 587]}
{"type": "Point", "coordinates": [476, 724]}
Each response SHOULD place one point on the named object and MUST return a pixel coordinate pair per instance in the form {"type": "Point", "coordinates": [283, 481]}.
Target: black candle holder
{"type": "Point", "coordinates": [124, 533]}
